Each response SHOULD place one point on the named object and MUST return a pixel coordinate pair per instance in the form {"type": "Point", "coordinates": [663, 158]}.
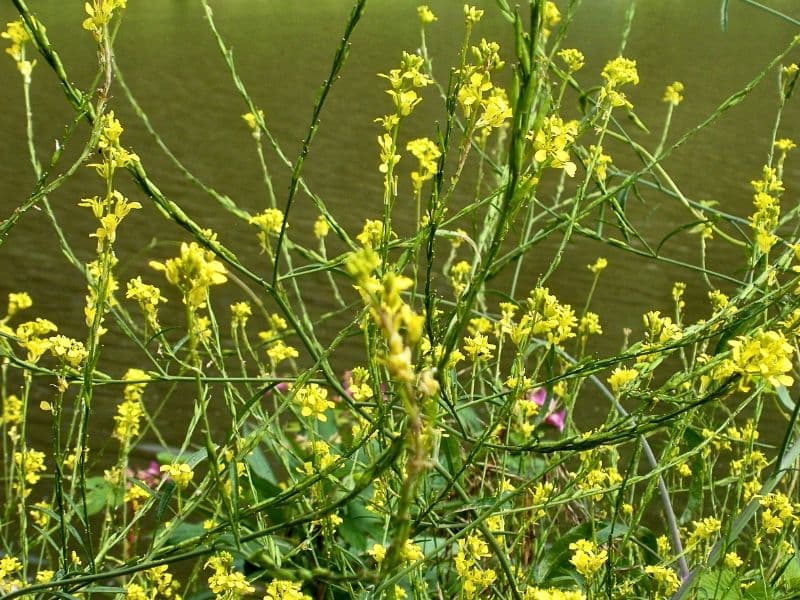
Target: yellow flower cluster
{"type": "Point", "coordinates": [551, 141]}
{"type": "Point", "coordinates": [601, 162]}
{"type": "Point", "coordinates": [477, 95]}
{"type": "Point", "coordinates": [149, 297]}
{"type": "Point", "coordinates": [621, 378]}
{"type": "Point", "coordinates": [269, 223]}
{"type": "Point", "coordinates": [16, 34]}
{"type": "Point", "coordinates": [471, 552]}
{"type": "Point", "coordinates": [9, 567]}
{"type": "Point", "coordinates": [357, 385]}
{"type": "Point", "coordinates": [278, 351]}
{"type": "Point", "coordinates": [535, 593]}
{"type": "Point", "coordinates": [130, 411]}
{"type": "Point", "coordinates": [763, 355]}
{"type": "Point", "coordinates": [777, 512]}
{"type": "Point", "coordinates": [12, 410]}
{"type": "Point", "coordinates": [426, 152]}
{"type": "Point", "coordinates": [400, 326]}
{"type": "Point", "coordinates": [704, 529]}
{"type": "Point", "coordinates": [282, 589]}
{"type": "Point", "coordinates": [402, 83]}
{"type": "Point", "coordinates": [545, 317]}
{"type": "Point", "coordinates": [573, 58]}
{"type": "Point", "coordinates": [313, 401]}
{"type": "Point", "coordinates": [618, 72]}
{"type": "Point", "coordinates": [426, 15]}
{"type": "Point", "coordinates": [100, 14]}
{"type": "Point", "coordinates": [224, 582]}
{"type": "Point", "coordinates": [478, 347]}
{"type": "Point", "coordinates": [586, 558]}
{"type": "Point", "coordinates": [67, 351]}
{"type": "Point", "coordinates": [665, 578]}
{"type": "Point", "coordinates": [31, 466]}
{"type": "Point", "coordinates": [193, 273]}
{"type": "Point", "coordinates": [31, 335]}
{"type": "Point", "coordinates": [321, 227]}
{"type": "Point", "coordinates": [181, 473]}
{"type": "Point", "coordinates": [766, 201]}
{"type": "Point", "coordinates": [164, 585]}
{"type": "Point", "coordinates": [672, 95]}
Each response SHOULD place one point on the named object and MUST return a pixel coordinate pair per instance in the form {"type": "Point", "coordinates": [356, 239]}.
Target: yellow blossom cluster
{"type": "Point", "coordinates": [31, 466]}
{"type": "Point", "coordinates": [32, 336]}
{"type": "Point", "coordinates": [601, 163]}
{"type": "Point", "coordinates": [621, 378]}
{"type": "Point", "coordinates": [472, 550]}
{"type": "Point", "coordinates": [426, 15]}
{"type": "Point", "coordinates": [149, 297]}
{"type": "Point", "coordinates": [551, 142]}
{"type": "Point", "coordinates": [618, 72]}
{"type": "Point", "coordinates": [672, 95]}
{"type": "Point", "coordinates": [665, 579]}
{"type": "Point", "coordinates": [776, 512]}
{"type": "Point", "coordinates": [180, 472]}
{"type": "Point", "coordinates": [400, 326]}
{"type": "Point", "coordinates": [283, 589]}
{"type": "Point", "coordinates": [762, 356]}
{"type": "Point", "coordinates": [573, 58]}
{"type": "Point", "coordinates": [426, 152]}
{"type": "Point", "coordinates": [483, 103]}
{"type": "Point", "coordinates": [193, 273]}
{"type": "Point", "coordinates": [358, 386]}
{"type": "Point", "coordinates": [313, 401]}
{"type": "Point", "coordinates": [536, 593]}
{"type": "Point", "coordinates": [587, 558]}
{"type": "Point", "coordinates": [766, 202]}
{"type": "Point", "coordinates": [269, 223]}
{"type": "Point", "coordinates": [131, 410]}
{"type": "Point", "coordinates": [10, 566]}
{"type": "Point", "coordinates": [100, 14]}
{"type": "Point", "coordinates": [67, 351]}
{"type": "Point", "coordinates": [545, 317]}
{"type": "Point", "coordinates": [224, 582]}
{"type": "Point", "coordinates": [17, 35]}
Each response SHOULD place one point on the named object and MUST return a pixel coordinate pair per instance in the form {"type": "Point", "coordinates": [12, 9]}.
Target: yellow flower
{"type": "Point", "coordinates": [478, 347]}
{"type": "Point", "coordinates": [18, 301]}
{"type": "Point", "coordinates": [377, 552]}
{"type": "Point", "coordinates": [733, 560]}
{"type": "Point", "coordinates": [180, 473]}
{"type": "Point", "coordinates": [621, 377]}
{"type": "Point", "coordinates": [763, 355]}
{"type": "Point", "coordinates": [313, 401]}
{"type": "Point", "coordinates": [225, 582]}
{"type": "Point", "coordinates": [427, 153]}
{"type": "Point", "coordinates": [321, 227]}
{"type": "Point", "coordinates": [472, 14]}
{"type": "Point", "coordinates": [253, 121]}
{"type": "Point", "coordinates": [193, 272]}
{"type": "Point", "coordinates": [665, 578]}
{"type": "Point", "coordinates": [240, 313]}
{"type": "Point", "coordinates": [573, 58]}
{"type": "Point", "coordinates": [282, 589]}
{"type": "Point", "coordinates": [586, 558]}
{"type": "Point", "coordinates": [426, 15]}
{"type": "Point", "coordinates": [672, 95]}
{"type": "Point", "coordinates": [552, 141]}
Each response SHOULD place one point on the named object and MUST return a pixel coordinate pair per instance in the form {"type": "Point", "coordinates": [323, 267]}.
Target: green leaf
{"type": "Point", "coordinates": [100, 493]}
{"type": "Point", "coordinates": [718, 584]}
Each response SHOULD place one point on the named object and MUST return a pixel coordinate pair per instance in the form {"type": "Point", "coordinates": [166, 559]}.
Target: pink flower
{"type": "Point", "coordinates": [554, 418]}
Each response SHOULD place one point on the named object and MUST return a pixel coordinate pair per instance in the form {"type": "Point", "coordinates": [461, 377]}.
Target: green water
{"type": "Point", "coordinates": [283, 50]}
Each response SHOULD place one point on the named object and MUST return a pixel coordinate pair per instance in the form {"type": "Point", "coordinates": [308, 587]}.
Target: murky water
{"type": "Point", "coordinates": [283, 51]}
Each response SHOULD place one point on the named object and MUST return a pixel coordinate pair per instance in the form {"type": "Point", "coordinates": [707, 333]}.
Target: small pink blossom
{"type": "Point", "coordinates": [554, 418]}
